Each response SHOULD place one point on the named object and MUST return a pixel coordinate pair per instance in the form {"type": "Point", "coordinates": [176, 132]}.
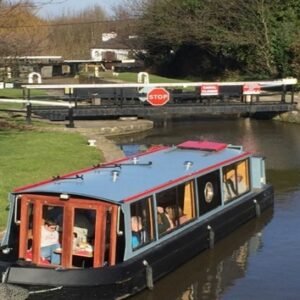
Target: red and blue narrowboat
{"type": "Point", "coordinates": [112, 230]}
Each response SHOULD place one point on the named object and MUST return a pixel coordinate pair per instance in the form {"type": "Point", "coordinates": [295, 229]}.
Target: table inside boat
{"type": "Point", "coordinates": [78, 252]}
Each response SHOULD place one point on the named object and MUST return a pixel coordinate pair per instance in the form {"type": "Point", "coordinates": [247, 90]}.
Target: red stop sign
{"type": "Point", "coordinates": [158, 96]}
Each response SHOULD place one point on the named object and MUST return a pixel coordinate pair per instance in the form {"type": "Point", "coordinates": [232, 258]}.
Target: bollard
{"type": "Point", "coordinates": [257, 208]}
{"type": "Point", "coordinates": [28, 112]}
{"type": "Point", "coordinates": [211, 237]}
{"type": "Point", "coordinates": [149, 275]}
{"type": "Point", "coordinates": [92, 143]}
{"type": "Point", "coordinates": [71, 119]}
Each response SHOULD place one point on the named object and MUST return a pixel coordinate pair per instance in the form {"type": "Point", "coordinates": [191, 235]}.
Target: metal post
{"type": "Point", "coordinates": [71, 117]}
{"type": "Point", "coordinates": [122, 97]}
{"type": "Point", "coordinates": [115, 96]}
{"type": "Point", "coordinates": [76, 97]}
{"type": "Point", "coordinates": [28, 112]}
{"type": "Point", "coordinates": [283, 93]}
{"type": "Point", "coordinates": [292, 94]}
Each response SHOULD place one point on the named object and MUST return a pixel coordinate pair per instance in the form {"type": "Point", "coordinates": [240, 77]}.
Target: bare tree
{"type": "Point", "coordinates": [73, 35]}
{"type": "Point", "coordinates": [21, 32]}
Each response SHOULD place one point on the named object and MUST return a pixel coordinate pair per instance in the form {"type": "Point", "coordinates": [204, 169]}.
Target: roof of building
{"type": "Point", "coordinates": [138, 176]}
{"type": "Point", "coordinates": [120, 42]}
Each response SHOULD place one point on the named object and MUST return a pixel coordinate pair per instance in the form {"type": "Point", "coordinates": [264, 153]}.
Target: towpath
{"type": "Point", "coordinates": [100, 131]}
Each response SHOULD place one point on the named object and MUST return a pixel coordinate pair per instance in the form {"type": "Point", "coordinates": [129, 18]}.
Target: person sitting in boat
{"type": "Point", "coordinates": [136, 231]}
{"type": "Point", "coordinates": [182, 217]}
{"type": "Point", "coordinates": [229, 187]}
{"type": "Point", "coordinates": [231, 190]}
{"type": "Point", "coordinates": [176, 215]}
{"type": "Point", "coordinates": [50, 242]}
{"type": "Point", "coordinates": [242, 188]}
{"type": "Point", "coordinates": [164, 221]}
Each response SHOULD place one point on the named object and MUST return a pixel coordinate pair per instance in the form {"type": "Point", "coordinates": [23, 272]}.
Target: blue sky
{"type": "Point", "coordinates": [56, 7]}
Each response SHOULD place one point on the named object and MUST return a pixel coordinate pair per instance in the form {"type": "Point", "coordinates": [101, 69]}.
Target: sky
{"type": "Point", "coordinates": [56, 7]}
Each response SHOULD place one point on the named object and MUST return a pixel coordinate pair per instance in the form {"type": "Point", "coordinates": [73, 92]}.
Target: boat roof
{"type": "Point", "coordinates": [134, 177]}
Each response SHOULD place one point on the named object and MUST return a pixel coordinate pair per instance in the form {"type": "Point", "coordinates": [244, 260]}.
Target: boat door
{"type": "Point", "coordinates": [68, 232]}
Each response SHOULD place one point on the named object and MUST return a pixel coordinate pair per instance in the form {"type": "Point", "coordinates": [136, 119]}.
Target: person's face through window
{"type": "Point", "coordinates": [51, 227]}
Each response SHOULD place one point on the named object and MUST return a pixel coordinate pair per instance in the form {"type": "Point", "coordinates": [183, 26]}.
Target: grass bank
{"type": "Point", "coordinates": [18, 93]}
{"type": "Point", "coordinates": [131, 77]}
{"type": "Point", "coordinates": [30, 156]}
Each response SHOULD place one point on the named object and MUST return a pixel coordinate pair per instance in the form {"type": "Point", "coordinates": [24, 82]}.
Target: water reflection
{"type": "Point", "coordinates": [209, 274]}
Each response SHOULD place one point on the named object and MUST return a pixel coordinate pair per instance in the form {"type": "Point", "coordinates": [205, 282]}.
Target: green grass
{"type": "Point", "coordinates": [7, 105]}
{"type": "Point", "coordinates": [18, 93]}
{"type": "Point", "coordinates": [132, 77]}
{"type": "Point", "coordinates": [29, 156]}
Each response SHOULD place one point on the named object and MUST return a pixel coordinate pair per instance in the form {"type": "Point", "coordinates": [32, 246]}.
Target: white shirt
{"type": "Point", "coordinates": [48, 237]}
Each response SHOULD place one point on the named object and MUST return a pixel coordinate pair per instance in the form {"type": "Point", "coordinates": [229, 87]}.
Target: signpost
{"type": "Point", "coordinates": [251, 88]}
{"type": "Point", "coordinates": [209, 90]}
{"type": "Point", "coordinates": [158, 96]}
{"type": "Point", "coordinates": [143, 93]}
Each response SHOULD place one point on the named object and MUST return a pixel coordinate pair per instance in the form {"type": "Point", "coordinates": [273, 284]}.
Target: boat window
{"type": "Point", "coordinates": [51, 234]}
{"type": "Point", "coordinates": [236, 180]}
{"type": "Point", "coordinates": [40, 232]}
{"type": "Point", "coordinates": [74, 233]}
{"type": "Point", "coordinates": [209, 191]}
{"type": "Point", "coordinates": [175, 207]}
{"type": "Point", "coordinates": [142, 225]}
{"type": "Point", "coordinates": [83, 237]}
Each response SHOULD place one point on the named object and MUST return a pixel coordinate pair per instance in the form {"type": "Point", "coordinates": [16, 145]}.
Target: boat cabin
{"type": "Point", "coordinates": [110, 213]}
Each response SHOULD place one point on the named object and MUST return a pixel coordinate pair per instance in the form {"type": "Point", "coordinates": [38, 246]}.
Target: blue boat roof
{"type": "Point", "coordinates": [133, 177]}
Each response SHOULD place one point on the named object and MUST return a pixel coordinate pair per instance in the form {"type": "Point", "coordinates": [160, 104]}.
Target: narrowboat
{"type": "Point", "coordinates": [111, 230]}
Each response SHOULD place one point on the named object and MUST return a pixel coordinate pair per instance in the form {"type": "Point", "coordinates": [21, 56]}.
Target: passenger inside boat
{"type": "Point", "coordinates": [50, 242]}
{"type": "Point", "coordinates": [235, 186]}
{"type": "Point", "coordinates": [176, 215]}
{"type": "Point", "coordinates": [136, 228]}
{"type": "Point", "coordinates": [181, 216]}
{"type": "Point", "coordinates": [241, 184]}
{"type": "Point", "coordinates": [142, 226]}
{"type": "Point", "coordinates": [236, 180]}
{"type": "Point", "coordinates": [164, 221]}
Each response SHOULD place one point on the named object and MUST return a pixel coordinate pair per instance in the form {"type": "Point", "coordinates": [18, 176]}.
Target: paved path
{"type": "Point", "coordinates": [101, 130]}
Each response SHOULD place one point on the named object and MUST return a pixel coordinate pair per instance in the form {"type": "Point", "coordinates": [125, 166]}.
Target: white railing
{"type": "Point", "coordinates": [281, 82]}
{"type": "Point", "coordinates": [40, 102]}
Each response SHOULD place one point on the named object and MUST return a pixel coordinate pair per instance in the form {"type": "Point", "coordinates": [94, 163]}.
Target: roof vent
{"type": "Point", "coordinates": [188, 164]}
{"type": "Point", "coordinates": [115, 174]}
{"type": "Point", "coordinates": [202, 145]}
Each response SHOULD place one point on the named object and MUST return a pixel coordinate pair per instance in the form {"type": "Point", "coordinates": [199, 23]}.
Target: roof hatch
{"type": "Point", "coordinates": [202, 145]}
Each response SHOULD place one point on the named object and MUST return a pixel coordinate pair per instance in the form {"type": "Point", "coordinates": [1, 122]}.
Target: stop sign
{"type": "Point", "coordinates": [158, 96]}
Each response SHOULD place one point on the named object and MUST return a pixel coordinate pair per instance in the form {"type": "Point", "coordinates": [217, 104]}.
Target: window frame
{"type": "Point", "coordinates": [148, 234]}
{"type": "Point", "coordinates": [69, 207]}
{"type": "Point", "coordinates": [234, 168]}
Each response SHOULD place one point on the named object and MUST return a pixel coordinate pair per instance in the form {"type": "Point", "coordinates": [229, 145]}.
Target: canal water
{"type": "Point", "coordinates": [261, 260]}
